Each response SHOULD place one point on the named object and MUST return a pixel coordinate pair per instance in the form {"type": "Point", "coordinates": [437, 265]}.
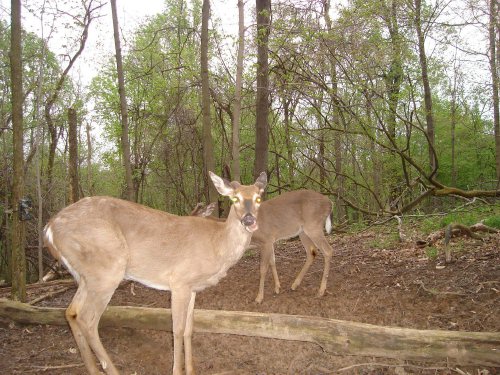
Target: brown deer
{"type": "Point", "coordinates": [301, 213]}
{"type": "Point", "coordinates": [103, 240]}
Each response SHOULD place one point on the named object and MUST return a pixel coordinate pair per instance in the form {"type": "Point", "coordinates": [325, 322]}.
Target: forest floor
{"type": "Point", "coordinates": [373, 279]}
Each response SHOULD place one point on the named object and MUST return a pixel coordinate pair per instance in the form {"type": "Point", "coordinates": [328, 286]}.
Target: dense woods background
{"type": "Point", "coordinates": [385, 106]}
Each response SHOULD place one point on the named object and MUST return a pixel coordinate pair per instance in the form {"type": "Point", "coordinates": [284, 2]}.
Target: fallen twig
{"type": "Point", "coordinates": [48, 295]}
{"type": "Point", "coordinates": [42, 285]}
{"type": "Point", "coordinates": [375, 364]}
{"type": "Point", "coordinates": [437, 293]}
{"type": "Point", "coordinates": [35, 368]}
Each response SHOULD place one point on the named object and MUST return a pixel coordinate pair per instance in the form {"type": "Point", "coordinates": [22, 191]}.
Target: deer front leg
{"type": "Point", "coordinates": [181, 301]}
{"type": "Point", "coordinates": [188, 333]}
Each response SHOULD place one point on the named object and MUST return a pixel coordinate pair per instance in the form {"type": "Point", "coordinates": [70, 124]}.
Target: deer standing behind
{"type": "Point", "coordinates": [103, 240]}
{"type": "Point", "coordinates": [302, 213]}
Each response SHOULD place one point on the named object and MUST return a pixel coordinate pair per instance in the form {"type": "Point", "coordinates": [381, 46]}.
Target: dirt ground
{"type": "Point", "coordinates": [373, 279]}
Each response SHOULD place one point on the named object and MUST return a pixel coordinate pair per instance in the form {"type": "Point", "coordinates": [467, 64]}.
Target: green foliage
{"type": "Point", "coordinates": [474, 147]}
{"type": "Point", "coordinates": [431, 252]}
{"type": "Point", "coordinates": [492, 221]}
{"type": "Point", "coordinates": [465, 217]}
{"type": "Point", "coordinates": [489, 214]}
{"type": "Point", "coordinates": [338, 102]}
{"type": "Point", "coordinates": [385, 241]}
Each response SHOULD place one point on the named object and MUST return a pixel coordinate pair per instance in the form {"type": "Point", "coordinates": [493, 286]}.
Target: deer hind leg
{"type": "Point", "coordinates": [182, 327]}
{"type": "Point", "coordinates": [267, 259]}
{"type": "Point", "coordinates": [321, 243]}
{"type": "Point", "coordinates": [310, 248]}
{"type": "Point", "coordinates": [97, 285]}
{"type": "Point", "coordinates": [72, 312]}
{"type": "Point", "coordinates": [84, 314]}
{"type": "Point", "coordinates": [272, 263]}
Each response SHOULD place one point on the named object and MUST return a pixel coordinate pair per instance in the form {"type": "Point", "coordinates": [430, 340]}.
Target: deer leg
{"type": "Point", "coordinates": [84, 314]}
{"type": "Point", "coordinates": [327, 251]}
{"type": "Point", "coordinates": [72, 312]}
{"type": "Point", "coordinates": [310, 255]}
{"type": "Point", "coordinates": [182, 298]}
{"type": "Point", "coordinates": [92, 317]}
{"type": "Point", "coordinates": [97, 283]}
{"type": "Point", "coordinates": [103, 285]}
{"type": "Point", "coordinates": [188, 333]}
{"type": "Point", "coordinates": [266, 252]}
{"type": "Point", "coordinates": [272, 263]}
{"type": "Point", "coordinates": [321, 243]}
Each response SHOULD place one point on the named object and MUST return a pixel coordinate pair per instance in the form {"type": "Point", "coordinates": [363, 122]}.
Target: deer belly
{"type": "Point", "coordinates": [149, 282]}
{"type": "Point", "coordinates": [211, 281]}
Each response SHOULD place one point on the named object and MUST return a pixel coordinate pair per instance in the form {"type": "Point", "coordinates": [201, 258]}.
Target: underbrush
{"type": "Point", "coordinates": [420, 225]}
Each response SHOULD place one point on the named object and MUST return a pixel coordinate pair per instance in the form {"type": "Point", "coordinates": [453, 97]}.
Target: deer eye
{"type": "Point", "coordinates": [258, 199]}
{"type": "Point", "coordinates": [235, 199]}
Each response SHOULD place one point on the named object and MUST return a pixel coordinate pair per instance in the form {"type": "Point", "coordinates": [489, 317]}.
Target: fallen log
{"type": "Point", "coordinates": [455, 229]}
{"type": "Point", "coordinates": [334, 336]}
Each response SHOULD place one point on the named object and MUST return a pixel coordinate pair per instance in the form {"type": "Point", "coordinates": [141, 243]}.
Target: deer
{"type": "Point", "coordinates": [301, 213]}
{"type": "Point", "coordinates": [104, 240]}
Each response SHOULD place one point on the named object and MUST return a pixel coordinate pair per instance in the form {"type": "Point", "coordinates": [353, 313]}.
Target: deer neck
{"type": "Point", "coordinates": [235, 237]}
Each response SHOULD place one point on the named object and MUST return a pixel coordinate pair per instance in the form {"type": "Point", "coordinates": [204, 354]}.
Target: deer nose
{"type": "Point", "coordinates": [248, 220]}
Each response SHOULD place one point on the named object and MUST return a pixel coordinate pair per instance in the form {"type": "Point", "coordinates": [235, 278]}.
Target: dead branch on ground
{"type": "Point", "coordinates": [454, 230]}
{"type": "Point", "coordinates": [48, 295]}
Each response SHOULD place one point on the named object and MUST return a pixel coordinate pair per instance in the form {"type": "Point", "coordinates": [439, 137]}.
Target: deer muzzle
{"type": "Point", "coordinates": [249, 222]}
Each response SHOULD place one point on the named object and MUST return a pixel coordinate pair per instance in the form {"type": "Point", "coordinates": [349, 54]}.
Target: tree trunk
{"type": "Point", "coordinates": [495, 82]}
{"type": "Point", "coordinates": [288, 110]}
{"type": "Point", "coordinates": [237, 93]}
{"type": "Point", "coordinates": [375, 167]}
{"type": "Point", "coordinates": [394, 77]}
{"type": "Point", "coordinates": [263, 10]}
{"type": "Point", "coordinates": [322, 139]}
{"type": "Point", "coordinates": [208, 143]}
{"type": "Point", "coordinates": [90, 186]}
{"type": "Point", "coordinates": [129, 192]}
{"type": "Point", "coordinates": [338, 136]}
{"type": "Point", "coordinates": [453, 125]}
{"type": "Point", "coordinates": [18, 259]}
{"type": "Point", "coordinates": [334, 336]}
{"type": "Point", "coordinates": [393, 81]}
{"type": "Point", "coordinates": [54, 138]}
{"type": "Point", "coordinates": [321, 160]}
{"type": "Point", "coordinates": [39, 140]}
{"type": "Point", "coordinates": [86, 20]}
{"type": "Point", "coordinates": [429, 118]}
{"type": "Point", "coordinates": [73, 156]}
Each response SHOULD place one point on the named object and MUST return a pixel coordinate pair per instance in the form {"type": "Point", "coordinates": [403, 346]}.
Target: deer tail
{"type": "Point", "coordinates": [328, 221]}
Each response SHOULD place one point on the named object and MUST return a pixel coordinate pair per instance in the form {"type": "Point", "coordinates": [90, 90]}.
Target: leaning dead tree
{"type": "Point", "coordinates": [334, 336]}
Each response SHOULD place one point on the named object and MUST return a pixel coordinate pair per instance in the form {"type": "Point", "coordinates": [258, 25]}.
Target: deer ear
{"type": "Point", "coordinates": [222, 185]}
{"type": "Point", "coordinates": [261, 181]}
{"type": "Point", "coordinates": [209, 209]}
{"type": "Point", "coordinates": [235, 184]}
